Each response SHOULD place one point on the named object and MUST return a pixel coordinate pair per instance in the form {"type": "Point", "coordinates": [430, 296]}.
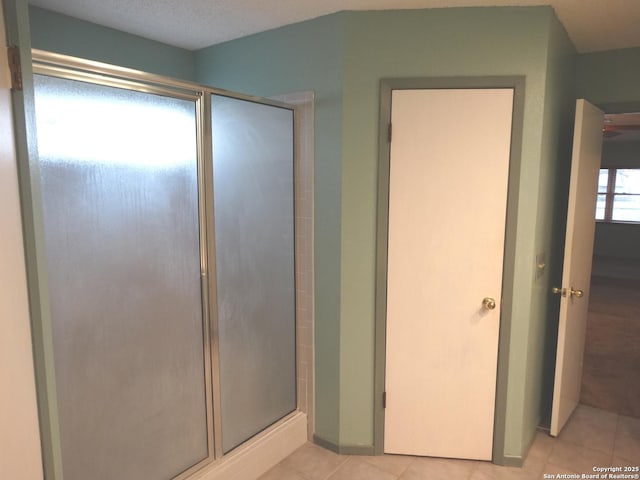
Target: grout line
{"type": "Point", "coordinates": [380, 469]}
{"type": "Point", "coordinates": [397, 475]}
{"type": "Point", "coordinates": [615, 435]}
{"type": "Point", "coordinates": [413, 460]}
{"type": "Point", "coordinates": [333, 472]}
{"type": "Point", "coordinates": [615, 438]}
{"type": "Point", "coordinates": [473, 470]}
{"type": "Point", "coordinates": [547, 466]}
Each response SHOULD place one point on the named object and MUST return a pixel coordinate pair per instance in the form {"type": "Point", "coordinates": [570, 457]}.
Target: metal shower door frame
{"type": "Point", "coordinates": [72, 68]}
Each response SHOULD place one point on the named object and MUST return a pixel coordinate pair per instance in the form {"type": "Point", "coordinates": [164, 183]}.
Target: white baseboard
{"type": "Point", "coordinates": [258, 455]}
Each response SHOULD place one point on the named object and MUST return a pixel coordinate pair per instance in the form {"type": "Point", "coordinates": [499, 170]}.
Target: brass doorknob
{"type": "Point", "coordinates": [571, 292]}
{"type": "Point", "coordinates": [576, 293]}
{"type": "Point", "coordinates": [488, 303]}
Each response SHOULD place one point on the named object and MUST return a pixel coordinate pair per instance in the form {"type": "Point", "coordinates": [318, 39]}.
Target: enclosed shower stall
{"type": "Point", "coordinates": [167, 280]}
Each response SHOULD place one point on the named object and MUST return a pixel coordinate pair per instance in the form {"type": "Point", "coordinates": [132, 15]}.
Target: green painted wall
{"type": "Point", "coordinates": [555, 166]}
{"type": "Point", "coordinates": [610, 79]}
{"type": "Point", "coordinates": [365, 47]}
{"type": "Point", "coordinates": [62, 34]}
{"type": "Point", "coordinates": [442, 42]}
{"type": "Point", "coordinates": [624, 154]}
{"type": "Point", "coordinates": [619, 239]}
{"type": "Point", "coordinates": [342, 57]}
{"type": "Point", "coordinates": [304, 56]}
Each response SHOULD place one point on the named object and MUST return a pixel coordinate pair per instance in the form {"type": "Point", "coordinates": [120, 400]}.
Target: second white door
{"type": "Point", "coordinates": [576, 271]}
{"type": "Point", "coordinates": [449, 169]}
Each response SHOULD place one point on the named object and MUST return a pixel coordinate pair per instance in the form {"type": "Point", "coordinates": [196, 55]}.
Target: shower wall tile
{"type": "Point", "coordinates": [304, 248]}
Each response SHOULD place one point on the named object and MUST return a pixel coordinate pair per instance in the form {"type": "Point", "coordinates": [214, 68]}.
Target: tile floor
{"type": "Point", "coordinates": [591, 438]}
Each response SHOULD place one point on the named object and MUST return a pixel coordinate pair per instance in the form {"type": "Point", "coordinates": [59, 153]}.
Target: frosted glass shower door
{"type": "Point", "coordinates": [254, 250]}
{"type": "Point", "coordinates": [119, 185]}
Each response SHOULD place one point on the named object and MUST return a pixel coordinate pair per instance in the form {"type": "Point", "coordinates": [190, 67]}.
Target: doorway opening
{"type": "Point", "coordinates": [609, 380]}
{"type": "Point", "coordinates": [589, 360]}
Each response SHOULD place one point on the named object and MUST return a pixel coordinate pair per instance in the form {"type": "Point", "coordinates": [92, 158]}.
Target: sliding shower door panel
{"type": "Point", "coordinates": [254, 250]}
{"type": "Point", "coordinates": [119, 181]}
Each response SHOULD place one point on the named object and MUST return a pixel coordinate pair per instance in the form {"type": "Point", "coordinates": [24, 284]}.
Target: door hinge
{"type": "Point", "coordinates": [15, 67]}
{"type": "Point", "coordinates": [389, 133]}
{"type": "Point", "coordinates": [384, 399]}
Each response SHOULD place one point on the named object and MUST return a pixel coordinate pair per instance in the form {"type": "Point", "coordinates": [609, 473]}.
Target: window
{"type": "Point", "coordinates": [618, 195]}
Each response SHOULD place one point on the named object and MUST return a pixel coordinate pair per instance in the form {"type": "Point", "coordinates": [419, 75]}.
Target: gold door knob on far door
{"type": "Point", "coordinates": [571, 292]}
{"type": "Point", "coordinates": [488, 303]}
{"type": "Point", "coordinates": [576, 293]}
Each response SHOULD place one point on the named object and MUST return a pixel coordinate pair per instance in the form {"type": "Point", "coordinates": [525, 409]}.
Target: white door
{"type": "Point", "coordinates": [576, 274]}
{"type": "Point", "coordinates": [447, 204]}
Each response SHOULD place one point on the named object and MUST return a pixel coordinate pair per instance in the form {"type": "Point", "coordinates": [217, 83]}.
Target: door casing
{"type": "Point", "coordinates": [386, 87]}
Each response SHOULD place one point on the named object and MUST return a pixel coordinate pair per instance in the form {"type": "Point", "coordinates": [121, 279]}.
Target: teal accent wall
{"type": "Point", "coordinates": [610, 79]}
{"type": "Point", "coordinates": [619, 240]}
{"type": "Point", "coordinates": [304, 56]}
{"type": "Point", "coordinates": [621, 154]}
{"type": "Point", "coordinates": [436, 43]}
{"type": "Point", "coordinates": [67, 35]}
{"type": "Point", "coordinates": [343, 57]}
{"type": "Point", "coordinates": [555, 167]}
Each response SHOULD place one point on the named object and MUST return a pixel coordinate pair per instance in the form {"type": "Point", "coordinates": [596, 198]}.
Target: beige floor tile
{"type": "Point", "coordinates": [591, 428]}
{"type": "Point", "coordinates": [623, 462]}
{"type": "Point", "coordinates": [356, 469]}
{"type": "Point", "coordinates": [541, 447]}
{"type": "Point", "coordinates": [313, 462]}
{"type": "Point", "coordinates": [596, 417]}
{"type": "Point", "coordinates": [629, 426]}
{"type": "Point", "coordinates": [425, 468]}
{"type": "Point", "coordinates": [490, 471]}
{"type": "Point", "coordinates": [576, 451]}
{"type": "Point", "coordinates": [555, 471]}
{"type": "Point", "coordinates": [577, 458]}
{"type": "Point", "coordinates": [531, 470]}
{"type": "Point", "coordinates": [395, 464]}
{"type": "Point", "coordinates": [627, 444]}
{"type": "Point", "coordinates": [281, 473]}
{"type": "Point", "coordinates": [535, 461]}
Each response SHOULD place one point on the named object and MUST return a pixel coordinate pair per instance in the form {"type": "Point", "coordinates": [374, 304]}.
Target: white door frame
{"type": "Point", "coordinates": [386, 87]}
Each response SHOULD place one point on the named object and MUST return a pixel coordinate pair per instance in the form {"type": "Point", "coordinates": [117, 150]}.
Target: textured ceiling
{"type": "Point", "coordinates": [593, 25]}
